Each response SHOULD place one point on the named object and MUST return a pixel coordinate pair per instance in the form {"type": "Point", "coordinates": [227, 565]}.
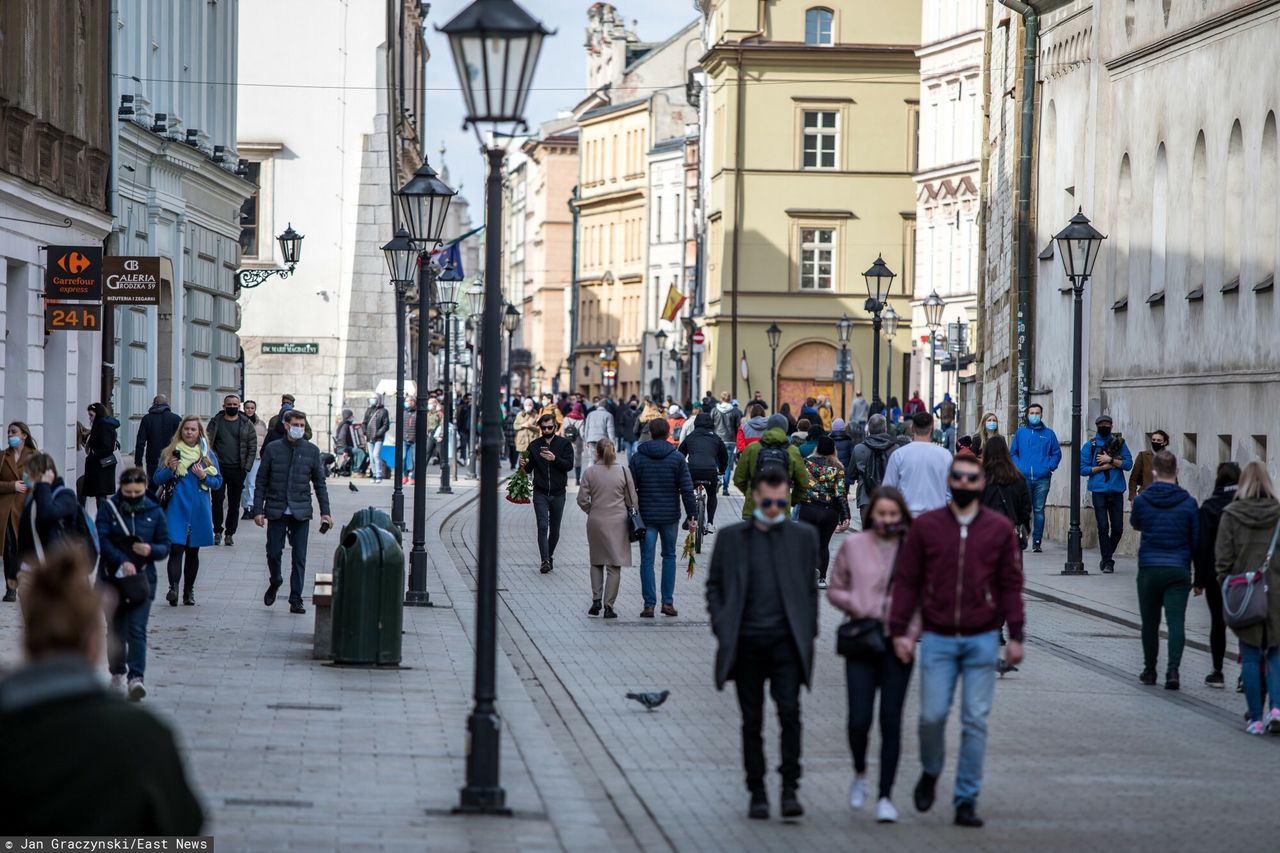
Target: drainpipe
{"type": "Point", "coordinates": [573, 296]}
{"type": "Point", "coordinates": [739, 135]}
{"type": "Point", "coordinates": [1030, 35]}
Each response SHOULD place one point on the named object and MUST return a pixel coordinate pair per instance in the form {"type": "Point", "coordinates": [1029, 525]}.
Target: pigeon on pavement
{"type": "Point", "coordinates": [352, 487]}
{"type": "Point", "coordinates": [650, 700]}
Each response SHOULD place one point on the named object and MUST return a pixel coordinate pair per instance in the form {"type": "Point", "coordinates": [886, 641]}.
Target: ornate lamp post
{"type": "Point", "coordinates": [402, 262]}
{"type": "Point", "coordinates": [290, 250]}
{"type": "Point", "coordinates": [843, 327]}
{"type": "Point", "coordinates": [495, 46]}
{"type": "Point", "coordinates": [933, 307]}
{"type": "Point", "coordinates": [510, 322]}
{"type": "Point", "coordinates": [542, 378]}
{"type": "Point", "coordinates": [424, 203]}
{"type": "Point", "coordinates": [774, 334]}
{"type": "Point", "coordinates": [447, 285]}
{"type": "Point", "coordinates": [879, 279]}
{"type": "Point", "coordinates": [661, 340]}
{"type": "Point", "coordinates": [1078, 244]}
{"type": "Point", "coordinates": [890, 323]}
{"type": "Point", "coordinates": [609, 368]}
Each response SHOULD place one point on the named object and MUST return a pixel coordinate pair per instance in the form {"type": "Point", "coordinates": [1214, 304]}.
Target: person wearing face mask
{"type": "Point", "coordinates": [13, 495]}
{"type": "Point", "coordinates": [410, 415]}
{"type": "Point", "coordinates": [133, 534]}
{"type": "Point", "coordinates": [1037, 453]}
{"type": "Point", "coordinates": [550, 408]}
{"type": "Point", "coordinates": [190, 460]}
{"type": "Point", "coordinates": [859, 587]}
{"type": "Point", "coordinates": [526, 425]}
{"type": "Point", "coordinates": [376, 424]}
{"type": "Point", "coordinates": [1104, 459]}
{"type": "Point", "coordinates": [250, 409]}
{"type": "Point", "coordinates": [762, 594]}
{"type": "Point", "coordinates": [989, 428]}
{"type": "Point", "coordinates": [235, 442]}
{"type": "Point", "coordinates": [960, 567]}
{"type": "Point", "coordinates": [290, 470]}
{"type": "Point", "coordinates": [100, 455]}
{"type": "Point", "coordinates": [1143, 473]}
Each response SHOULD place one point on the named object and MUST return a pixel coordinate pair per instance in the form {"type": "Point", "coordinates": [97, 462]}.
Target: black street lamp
{"type": "Point", "coordinates": [608, 368]}
{"type": "Point", "coordinates": [424, 202]}
{"type": "Point", "coordinates": [774, 335]}
{"type": "Point", "coordinates": [510, 322]}
{"type": "Point", "coordinates": [661, 340]}
{"type": "Point", "coordinates": [1078, 244]}
{"type": "Point", "coordinates": [290, 250]}
{"type": "Point", "coordinates": [495, 46]}
{"type": "Point", "coordinates": [890, 324]}
{"type": "Point", "coordinates": [933, 307]}
{"type": "Point", "coordinates": [447, 286]}
{"type": "Point", "coordinates": [843, 327]}
{"type": "Point", "coordinates": [473, 302]}
{"type": "Point", "coordinates": [542, 377]}
{"type": "Point", "coordinates": [879, 279]}
{"type": "Point", "coordinates": [402, 261]}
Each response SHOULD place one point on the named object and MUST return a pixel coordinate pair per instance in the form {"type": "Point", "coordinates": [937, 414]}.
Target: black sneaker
{"type": "Point", "coordinates": [608, 613]}
{"type": "Point", "coordinates": [217, 538]}
{"type": "Point", "coordinates": [967, 815]}
{"type": "Point", "coordinates": [188, 598]}
{"type": "Point", "coordinates": [546, 567]}
{"type": "Point", "coordinates": [297, 608]}
{"type": "Point", "coordinates": [10, 595]}
{"type": "Point", "coordinates": [1171, 679]}
{"type": "Point", "coordinates": [270, 598]}
{"type": "Point", "coordinates": [1215, 679]}
{"type": "Point", "coordinates": [595, 608]}
{"type": "Point", "coordinates": [1148, 677]}
{"type": "Point", "coordinates": [1035, 547]}
{"type": "Point", "coordinates": [759, 808]}
{"type": "Point", "coordinates": [228, 541]}
{"type": "Point", "coordinates": [172, 595]}
{"type": "Point", "coordinates": [1108, 566]}
{"type": "Point", "coordinates": [790, 806]}
{"type": "Point", "coordinates": [924, 792]}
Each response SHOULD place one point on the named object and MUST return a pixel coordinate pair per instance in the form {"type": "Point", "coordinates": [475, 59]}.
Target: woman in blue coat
{"type": "Point", "coordinates": [132, 533]}
{"type": "Point", "coordinates": [190, 511]}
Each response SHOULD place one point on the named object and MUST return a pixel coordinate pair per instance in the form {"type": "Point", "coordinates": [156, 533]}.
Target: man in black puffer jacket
{"type": "Point", "coordinates": [708, 458]}
{"type": "Point", "coordinates": [282, 503]}
{"type": "Point", "coordinates": [662, 482]}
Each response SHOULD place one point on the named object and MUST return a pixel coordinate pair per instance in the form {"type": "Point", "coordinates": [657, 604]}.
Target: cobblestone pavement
{"type": "Point", "coordinates": [292, 754]}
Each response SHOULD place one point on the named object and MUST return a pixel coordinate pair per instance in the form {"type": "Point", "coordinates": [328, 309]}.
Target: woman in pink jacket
{"type": "Point", "coordinates": [859, 585]}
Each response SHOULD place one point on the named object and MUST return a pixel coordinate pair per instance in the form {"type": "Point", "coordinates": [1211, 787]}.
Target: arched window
{"type": "Point", "coordinates": [1159, 224]}
{"type": "Point", "coordinates": [818, 27]}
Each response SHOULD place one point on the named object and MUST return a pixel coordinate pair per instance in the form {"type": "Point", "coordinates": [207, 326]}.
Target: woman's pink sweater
{"type": "Point", "coordinates": [859, 581]}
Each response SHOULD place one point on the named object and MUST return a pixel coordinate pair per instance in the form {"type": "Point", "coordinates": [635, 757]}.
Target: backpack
{"type": "Point", "coordinates": [873, 476]}
{"type": "Point", "coordinates": [82, 527]}
{"type": "Point", "coordinates": [774, 455]}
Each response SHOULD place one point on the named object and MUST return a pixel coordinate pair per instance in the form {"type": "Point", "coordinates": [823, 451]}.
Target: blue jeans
{"type": "Point", "coordinates": [647, 549]}
{"type": "Point", "coordinates": [295, 530]}
{"type": "Point", "coordinates": [731, 448]}
{"type": "Point", "coordinates": [127, 643]}
{"type": "Point", "coordinates": [1039, 494]}
{"type": "Point", "coordinates": [1251, 670]}
{"type": "Point", "coordinates": [408, 459]}
{"type": "Point", "coordinates": [246, 496]}
{"type": "Point", "coordinates": [375, 460]}
{"type": "Point", "coordinates": [943, 660]}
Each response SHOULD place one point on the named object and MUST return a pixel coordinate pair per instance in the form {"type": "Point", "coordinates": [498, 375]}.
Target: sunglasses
{"type": "Point", "coordinates": [549, 428]}
{"type": "Point", "coordinates": [770, 503]}
{"type": "Point", "coordinates": [965, 478]}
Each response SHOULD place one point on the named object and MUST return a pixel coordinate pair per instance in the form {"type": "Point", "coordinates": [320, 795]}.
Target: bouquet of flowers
{"type": "Point", "coordinates": [519, 486]}
{"type": "Point", "coordinates": [689, 552]}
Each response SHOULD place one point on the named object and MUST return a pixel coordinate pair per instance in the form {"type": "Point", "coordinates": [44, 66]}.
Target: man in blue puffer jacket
{"type": "Point", "coordinates": [662, 482]}
{"type": "Point", "coordinates": [1037, 454]}
{"type": "Point", "coordinates": [1106, 486]}
{"type": "Point", "coordinates": [1169, 521]}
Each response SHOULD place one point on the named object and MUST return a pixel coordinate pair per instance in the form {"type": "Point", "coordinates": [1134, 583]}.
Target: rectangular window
{"type": "Point", "coordinates": [817, 27]}
{"type": "Point", "coordinates": [249, 215]}
{"type": "Point", "coordinates": [817, 258]}
{"type": "Point", "coordinates": [820, 135]}
{"type": "Point", "coordinates": [657, 220]}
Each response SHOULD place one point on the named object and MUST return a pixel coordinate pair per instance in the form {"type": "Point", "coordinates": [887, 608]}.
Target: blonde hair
{"type": "Point", "coordinates": [606, 453]}
{"type": "Point", "coordinates": [202, 440]}
{"type": "Point", "coordinates": [1255, 482]}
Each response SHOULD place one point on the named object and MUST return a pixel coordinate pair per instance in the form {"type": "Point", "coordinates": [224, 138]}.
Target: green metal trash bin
{"type": "Point", "coordinates": [368, 598]}
{"type": "Point", "coordinates": [371, 516]}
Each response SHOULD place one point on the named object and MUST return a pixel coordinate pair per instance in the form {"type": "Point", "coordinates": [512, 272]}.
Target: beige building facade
{"type": "Point", "coordinates": [808, 147]}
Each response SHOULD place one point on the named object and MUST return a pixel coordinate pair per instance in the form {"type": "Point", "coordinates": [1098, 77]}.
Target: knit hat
{"type": "Point", "coordinates": [837, 425]}
{"type": "Point", "coordinates": [777, 421]}
{"type": "Point", "coordinates": [826, 446]}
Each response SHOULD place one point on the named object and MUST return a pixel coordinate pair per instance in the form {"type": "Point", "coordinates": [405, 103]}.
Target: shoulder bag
{"type": "Point", "coordinates": [1244, 596]}
{"type": "Point", "coordinates": [134, 589]}
{"type": "Point", "coordinates": [863, 639]}
{"type": "Point", "coordinates": [635, 524]}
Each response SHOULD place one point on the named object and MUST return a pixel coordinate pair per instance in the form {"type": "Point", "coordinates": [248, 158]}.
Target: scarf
{"type": "Point", "coordinates": [187, 456]}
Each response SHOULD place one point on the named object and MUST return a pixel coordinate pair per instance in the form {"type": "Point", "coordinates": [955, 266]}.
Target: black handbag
{"type": "Point", "coordinates": [863, 639]}
{"type": "Point", "coordinates": [635, 524]}
{"type": "Point", "coordinates": [164, 492]}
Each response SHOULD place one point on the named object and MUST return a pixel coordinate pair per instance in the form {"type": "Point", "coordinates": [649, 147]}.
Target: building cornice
{"type": "Point", "coordinates": [848, 57]}
{"type": "Point", "coordinates": [1201, 31]}
{"type": "Point", "coordinates": [962, 40]}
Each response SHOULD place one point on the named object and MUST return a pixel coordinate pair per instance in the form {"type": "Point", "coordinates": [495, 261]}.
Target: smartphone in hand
{"type": "Point", "coordinates": [324, 527]}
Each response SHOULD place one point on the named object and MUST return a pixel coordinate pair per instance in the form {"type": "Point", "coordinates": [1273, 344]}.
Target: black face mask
{"type": "Point", "coordinates": [1156, 446]}
{"type": "Point", "coordinates": [1104, 431]}
{"type": "Point", "coordinates": [964, 497]}
{"type": "Point", "coordinates": [232, 411]}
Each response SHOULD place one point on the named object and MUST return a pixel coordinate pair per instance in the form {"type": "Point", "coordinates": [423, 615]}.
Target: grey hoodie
{"type": "Point", "coordinates": [754, 427]}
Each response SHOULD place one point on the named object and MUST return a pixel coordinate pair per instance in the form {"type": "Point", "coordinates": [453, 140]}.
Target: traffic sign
{"type": "Point", "coordinates": [131, 280]}
{"type": "Point", "coordinates": [68, 317]}
{"type": "Point", "coordinates": [699, 338]}
{"type": "Point", "coordinates": [74, 272]}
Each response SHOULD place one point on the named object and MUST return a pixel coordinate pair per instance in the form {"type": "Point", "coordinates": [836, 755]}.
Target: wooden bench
{"type": "Point", "coordinates": [322, 602]}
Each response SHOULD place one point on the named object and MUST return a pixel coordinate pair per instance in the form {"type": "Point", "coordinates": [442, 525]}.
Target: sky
{"type": "Point", "coordinates": [558, 82]}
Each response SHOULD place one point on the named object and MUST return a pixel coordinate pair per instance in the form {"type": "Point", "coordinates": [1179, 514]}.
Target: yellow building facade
{"type": "Point", "coordinates": [808, 140]}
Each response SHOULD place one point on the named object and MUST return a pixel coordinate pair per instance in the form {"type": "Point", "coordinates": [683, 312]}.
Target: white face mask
{"type": "Point", "coordinates": [297, 432]}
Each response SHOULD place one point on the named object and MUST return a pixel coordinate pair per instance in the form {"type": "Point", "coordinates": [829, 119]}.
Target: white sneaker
{"type": "Point", "coordinates": [858, 793]}
{"type": "Point", "coordinates": [709, 529]}
{"type": "Point", "coordinates": [885, 812]}
{"type": "Point", "coordinates": [137, 691]}
{"type": "Point", "coordinates": [822, 583]}
{"type": "Point", "coordinates": [117, 682]}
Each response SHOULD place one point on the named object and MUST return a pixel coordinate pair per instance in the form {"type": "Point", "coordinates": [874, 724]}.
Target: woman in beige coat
{"type": "Point", "coordinates": [526, 426]}
{"type": "Point", "coordinates": [605, 493]}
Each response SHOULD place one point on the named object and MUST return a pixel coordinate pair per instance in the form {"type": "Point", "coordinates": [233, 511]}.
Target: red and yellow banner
{"type": "Point", "coordinates": [675, 300]}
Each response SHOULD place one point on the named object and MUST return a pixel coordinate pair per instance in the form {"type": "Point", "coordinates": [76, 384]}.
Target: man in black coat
{"type": "Point", "coordinates": [548, 463]}
{"type": "Point", "coordinates": [155, 431]}
{"type": "Point", "coordinates": [234, 440]}
{"type": "Point", "coordinates": [762, 594]}
{"type": "Point", "coordinates": [708, 458]}
{"type": "Point", "coordinates": [290, 469]}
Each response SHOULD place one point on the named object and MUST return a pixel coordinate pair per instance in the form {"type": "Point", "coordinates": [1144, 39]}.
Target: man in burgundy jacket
{"type": "Point", "coordinates": [961, 567]}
